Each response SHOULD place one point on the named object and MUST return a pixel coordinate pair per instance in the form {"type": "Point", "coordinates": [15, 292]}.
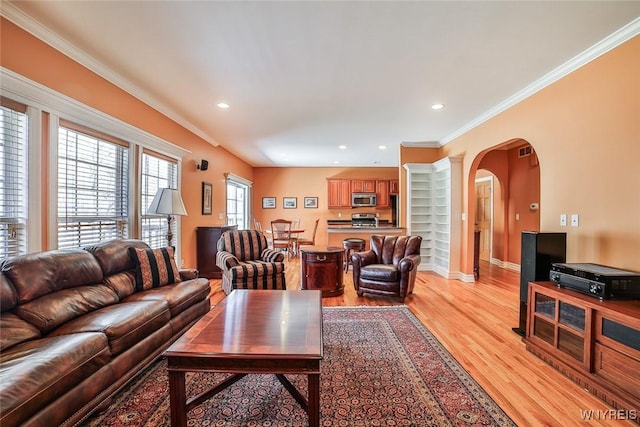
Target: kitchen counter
{"type": "Point", "coordinates": [342, 228]}
{"type": "Point", "coordinates": [338, 232]}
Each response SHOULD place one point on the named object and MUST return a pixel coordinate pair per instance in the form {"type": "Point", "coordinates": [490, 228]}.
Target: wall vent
{"type": "Point", "coordinates": [524, 151]}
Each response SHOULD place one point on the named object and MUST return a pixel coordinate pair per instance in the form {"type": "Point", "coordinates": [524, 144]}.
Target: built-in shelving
{"type": "Point", "coordinates": [433, 212]}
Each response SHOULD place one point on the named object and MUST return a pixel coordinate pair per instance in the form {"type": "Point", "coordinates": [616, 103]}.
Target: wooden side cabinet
{"type": "Point", "coordinates": [321, 269]}
{"type": "Point", "coordinates": [207, 249]}
{"type": "Point", "coordinates": [595, 343]}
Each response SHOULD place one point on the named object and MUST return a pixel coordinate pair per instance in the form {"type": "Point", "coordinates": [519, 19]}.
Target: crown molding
{"type": "Point", "coordinates": [40, 31]}
{"type": "Point", "coordinates": [423, 144]}
{"type": "Point", "coordinates": [610, 42]}
{"type": "Point", "coordinates": [36, 95]}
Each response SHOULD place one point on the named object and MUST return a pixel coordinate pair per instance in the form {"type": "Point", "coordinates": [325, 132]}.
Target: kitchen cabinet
{"type": "Point", "coordinates": [363, 185]}
{"type": "Point", "coordinates": [595, 343]}
{"type": "Point", "coordinates": [339, 193]}
{"type": "Point", "coordinates": [382, 194]}
{"type": "Point", "coordinates": [394, 186]}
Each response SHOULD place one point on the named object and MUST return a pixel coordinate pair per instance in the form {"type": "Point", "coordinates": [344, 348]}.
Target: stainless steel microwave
{"type": "Point", "coordinates": [359, 200]}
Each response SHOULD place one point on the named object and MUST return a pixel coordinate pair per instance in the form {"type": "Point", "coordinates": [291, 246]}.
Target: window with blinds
{"type": "Point", "coordinates": [158, 172]}
{"type": "Point", "coordinates": [13, 179]}
{"type": "Point", "coordinates": [92, 187]}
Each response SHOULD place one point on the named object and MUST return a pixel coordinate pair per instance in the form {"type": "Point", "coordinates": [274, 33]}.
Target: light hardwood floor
{"type": "Point", "coordinates": [473, 321]}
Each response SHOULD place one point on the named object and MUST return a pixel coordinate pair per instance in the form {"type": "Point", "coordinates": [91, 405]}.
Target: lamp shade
{"type": "Point", "coordinates": [167, 201]}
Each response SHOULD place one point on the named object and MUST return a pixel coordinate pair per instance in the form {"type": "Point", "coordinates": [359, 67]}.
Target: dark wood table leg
{"type": "Point", "coordinates": [178, 399]}
{"type": "Point", "coordinates": [314, 400]}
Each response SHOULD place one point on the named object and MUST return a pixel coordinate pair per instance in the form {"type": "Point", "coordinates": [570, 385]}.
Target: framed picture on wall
{"type": "Point", "coordinates": [268, 203]}
{"type": "Point", "coordinates": [310, 202]}
{"type": "Point", "coordinates": [207, 198]}
{"type": "Point", "coordinates": [289, 202]}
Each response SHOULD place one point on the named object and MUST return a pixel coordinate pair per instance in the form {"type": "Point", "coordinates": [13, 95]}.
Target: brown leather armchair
{"type": "Point", "coordinates": [389, 267]}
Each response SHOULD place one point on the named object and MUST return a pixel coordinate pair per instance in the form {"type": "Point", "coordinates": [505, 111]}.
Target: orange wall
{"type": "Point", "coordinates": [584, 129]}
{"type": "Point", "coordinates": [30, 57]}
{"type": "Point", "coordinates": [309, 182]}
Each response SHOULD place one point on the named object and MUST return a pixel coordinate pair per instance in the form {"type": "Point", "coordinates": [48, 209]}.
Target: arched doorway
{"type": "Point", "coordinates": [504, 190]}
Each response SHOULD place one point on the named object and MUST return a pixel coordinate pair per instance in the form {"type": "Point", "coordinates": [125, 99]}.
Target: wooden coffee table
{"type": "Point", "coordinates": [251, 332]}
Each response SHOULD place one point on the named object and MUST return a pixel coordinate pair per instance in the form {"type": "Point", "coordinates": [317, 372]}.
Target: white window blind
{"type": "Point", "coordinates": [158, 171]}
{"type": "Point", "coordinates": [13, 179]}
{"type": "Point", "coordinates": [92, 187]}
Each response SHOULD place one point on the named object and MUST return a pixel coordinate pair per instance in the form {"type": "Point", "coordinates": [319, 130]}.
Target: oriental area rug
{"type": "Point", "coordinates": [381, 367]}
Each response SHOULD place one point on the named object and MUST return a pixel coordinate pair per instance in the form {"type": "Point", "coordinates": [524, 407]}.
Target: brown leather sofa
{"type": "Point", "coordinates": [75, 327]}
{"type": "Point", "coordinates": [389, 268]}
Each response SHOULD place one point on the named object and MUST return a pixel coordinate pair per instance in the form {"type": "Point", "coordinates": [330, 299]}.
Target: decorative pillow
{"type": "Point", "coordinates": [155, 267]}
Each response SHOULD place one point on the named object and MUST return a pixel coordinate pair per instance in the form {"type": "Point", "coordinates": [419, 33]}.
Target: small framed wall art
{"type": "Point", "coordinates": [290, 202]}
{"type": "Point", "coordinates": [207, 198]}
{"type": "Point", "coordinates": [268, 203]}
{"type": "Point", "coordinates": [311, 202]}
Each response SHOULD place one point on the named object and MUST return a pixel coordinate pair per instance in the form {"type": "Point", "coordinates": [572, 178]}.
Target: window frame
{"type": "Point", "coordinates": [47, 107]}
{"type": "Point", "coordinates": [238, 181]}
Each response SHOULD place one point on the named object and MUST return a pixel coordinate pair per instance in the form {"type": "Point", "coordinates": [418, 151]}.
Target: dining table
{"type": "Point", "coordinates": [294, 232]}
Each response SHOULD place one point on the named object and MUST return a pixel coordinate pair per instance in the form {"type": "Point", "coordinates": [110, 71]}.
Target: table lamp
{"type": "Point", "coordinates": [167, 201]}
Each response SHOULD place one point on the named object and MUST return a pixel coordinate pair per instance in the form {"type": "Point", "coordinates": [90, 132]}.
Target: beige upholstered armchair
{"type": "Point", "coordinates": [389, 267]}
{"type": "Point", "coordinates": [247, 262]}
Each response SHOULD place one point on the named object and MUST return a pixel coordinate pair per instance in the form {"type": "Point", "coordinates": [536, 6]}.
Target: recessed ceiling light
{"type": "Point", "coordinates": [382, 147]}
{"type": "Point", "coordinates": [335, 162]}
{"type": "Point", "coordinates": [437, 106]}
{"type": "Point", "coordinates": [223, 105]}
{"type": "Point", "coordinates": [342, 147]}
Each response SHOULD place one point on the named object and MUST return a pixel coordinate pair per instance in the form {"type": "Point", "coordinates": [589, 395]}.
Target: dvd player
{"type": "Point", "coordinates": [597, 280]}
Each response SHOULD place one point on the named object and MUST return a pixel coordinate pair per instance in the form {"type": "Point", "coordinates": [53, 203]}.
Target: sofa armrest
{"type": "Point", "coordinates": [269, 255]}
{"type": "Point", "coordinates": [408, 263]}
{"type": "Point", "coordinates": [188, 273]}
{"type": "Point", "coordinates": [225, 260]}
{"type": "Point", "coordinates": [361, 259]}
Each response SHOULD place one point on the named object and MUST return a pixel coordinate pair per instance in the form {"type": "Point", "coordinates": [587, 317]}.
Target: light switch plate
{"type": "Point", "coordinates": [574, 220]}
{"type": "Point", "coordinates": [563, 220]}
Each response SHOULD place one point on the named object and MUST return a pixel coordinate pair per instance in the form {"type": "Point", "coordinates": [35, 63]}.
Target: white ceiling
{"type": "Point", "coordinates": [303, 77]}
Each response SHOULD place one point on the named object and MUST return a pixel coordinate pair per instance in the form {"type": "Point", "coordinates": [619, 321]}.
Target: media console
{"type": "Point", "coordinates": [595, 343]}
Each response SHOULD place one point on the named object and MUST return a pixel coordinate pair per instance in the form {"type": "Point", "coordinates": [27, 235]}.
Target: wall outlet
{"type": "Point", "coordinates": [221, 215]}
{"type": "Point", "coordinates": [181, 263]}
{"type": "Point", "coordinates": [517, 217]}
{"type": "Point", "coordinates": [339, 214]}
{"type": "Point", "coordinates": [563, 220]}
{"type": "Point", "coordinates": [574, 220]}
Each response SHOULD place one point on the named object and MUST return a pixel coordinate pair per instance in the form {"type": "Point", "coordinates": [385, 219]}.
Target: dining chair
{"type": "Point", "coordinates": [304, 241]}
{"type": "Point", "coordinates": [257, 225]}
{"type": "Point", "coordinates": [281, 235]}
{"type": "Point", "coordinates": [295, 225]}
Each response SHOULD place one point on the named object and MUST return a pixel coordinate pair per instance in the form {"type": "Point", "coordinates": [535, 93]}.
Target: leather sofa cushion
{"type": "Point", "coordinates": [123, 284]}
{"type": "Point", "coordinates": [179, 296]}
{"type": "Point", "coordinates": [382, 272]}
{"type": "Point", "coordinates": [35, 373]}
{"type": "Point", "coordinates": [52, 310]}
{"type": "Point", "coordinates": [8, 295]}
{"type": "Point", "coordinates": [37, 274]}
{"type": "Point", "coordinates": [113, 255]}
{"type": "Point", "coordinates": [14, 330]}
{"type": "Point", "coordinates": [124, 324]}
